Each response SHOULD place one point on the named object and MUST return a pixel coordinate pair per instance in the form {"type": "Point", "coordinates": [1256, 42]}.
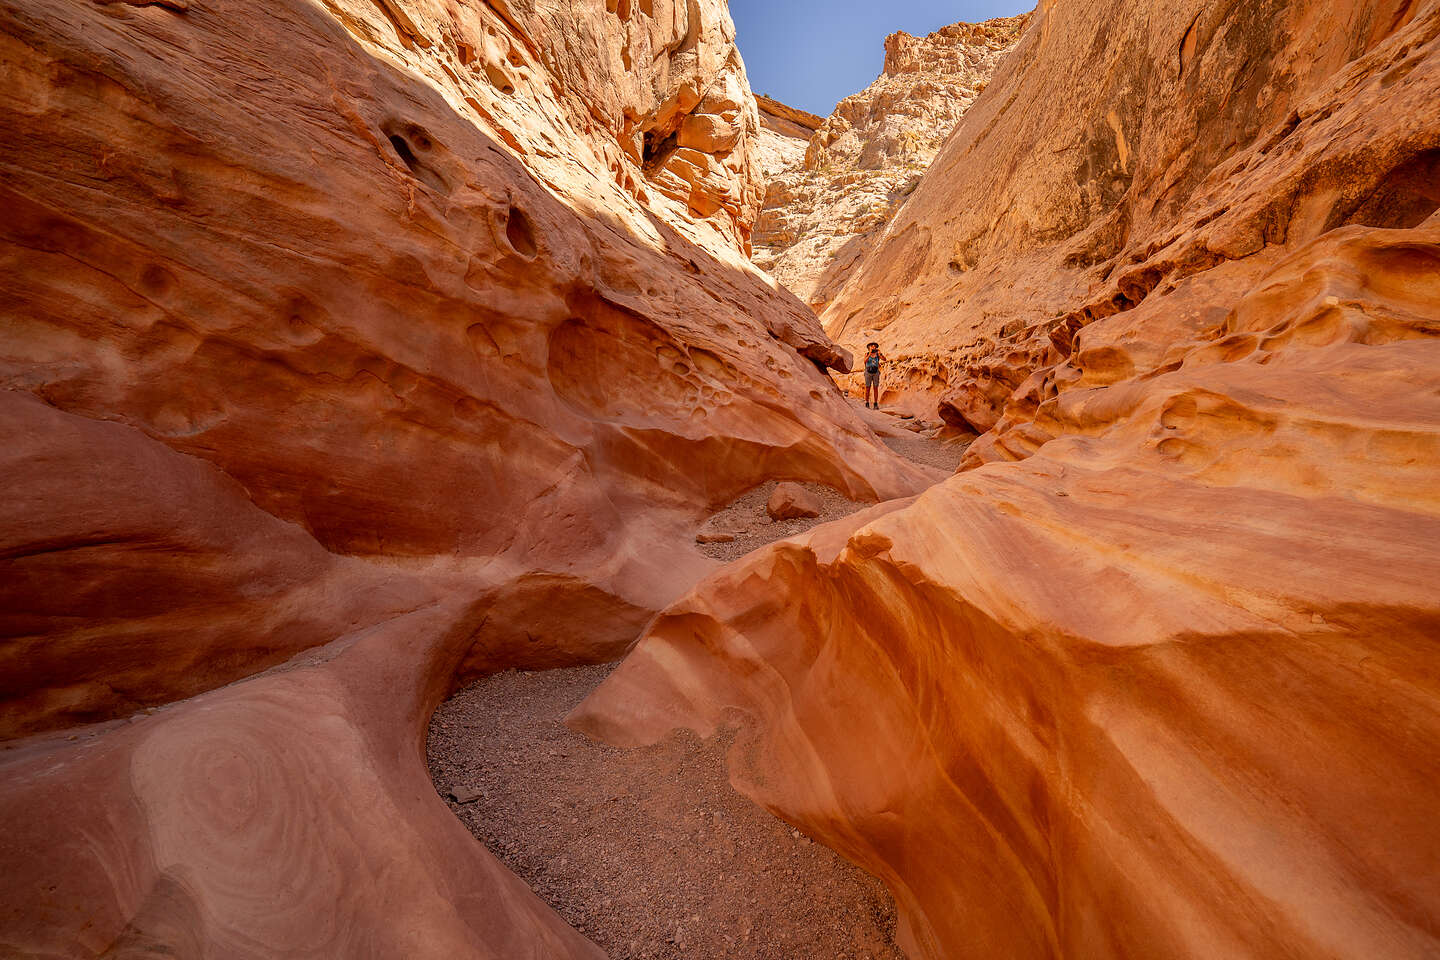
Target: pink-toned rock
{"type": "Point", "coordinates": [790, 501]}
{"type": "Point", "coordinates": [1183, 168]}
{"type": "Point", "coordinates": [176, 834]}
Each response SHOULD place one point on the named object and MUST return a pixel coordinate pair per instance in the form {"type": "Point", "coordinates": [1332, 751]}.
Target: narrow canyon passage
{"type": "Point", "coordinates": [441, 520]}
{"type": "Point", "coordinates": [650, 852]}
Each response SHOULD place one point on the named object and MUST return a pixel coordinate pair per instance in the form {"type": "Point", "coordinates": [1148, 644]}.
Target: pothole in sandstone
{"type": "Point", "coordinates": [649, 852]}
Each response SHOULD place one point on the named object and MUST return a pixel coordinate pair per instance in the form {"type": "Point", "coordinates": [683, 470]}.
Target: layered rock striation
{"type": "Point", "coordinates": [784, 134]}
{"type": "Point", "coordinates": [1154, 677]}
{"type": "Point", "coordinates": [350, 350]}
{"type": "Point", "coordinates": [216, 285]}
{"type": "Point", "coordinates": [824, 211]}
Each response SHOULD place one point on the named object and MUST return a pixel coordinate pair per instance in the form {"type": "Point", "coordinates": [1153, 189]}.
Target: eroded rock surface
{"type": "Point", "coordinates": [223, 292]}
{"type": "Point", "coordinates": [784, 134]}
{"type": "Point", "coordinates": [825, 209]}
{"type": "Point", "coordinates": [377, 345]}
{"type": "Point", "coordinates": [1192, 145]}
{"type": "Point", "coordinates": [1155, 676]}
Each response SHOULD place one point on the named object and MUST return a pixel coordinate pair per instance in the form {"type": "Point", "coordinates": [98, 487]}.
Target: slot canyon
{"type": "Point", "coordinates": [441, 519]}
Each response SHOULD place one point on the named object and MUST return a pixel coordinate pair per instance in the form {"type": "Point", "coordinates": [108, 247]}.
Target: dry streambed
{"type": "Point", "coordinates": [649, 851]}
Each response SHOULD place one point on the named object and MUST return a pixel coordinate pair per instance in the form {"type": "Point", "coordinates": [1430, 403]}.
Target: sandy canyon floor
{"type": "Point", "coordinates": [650, 852]}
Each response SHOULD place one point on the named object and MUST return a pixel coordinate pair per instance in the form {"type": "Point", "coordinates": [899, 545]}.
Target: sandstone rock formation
{"type": "Point", "coordinates": [1068, 195]}
{"type": "Point", "coordinates": [784, 134]}
{"type": "Point", "coordinates": [825, 209]}
{"type": "Point", "coordinates": [377, 346]}
{"type": "Point", "coordinates": [1155, 677]}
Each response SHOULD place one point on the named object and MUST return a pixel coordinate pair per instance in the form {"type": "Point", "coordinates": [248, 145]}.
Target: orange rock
{"type": "Point", "coordinates": [340, 344]}
{"type": "Point", "coordinates": [1155, 676]}
{"type": "Point", "coordinates": [790, 501]}
{"type": "Point", "coordinates": [1173, 665]}
{"type": "Point", "coordinates": [237, 823]}
{"type": "Point", "coordinates": [1032, 224]}
{"type": "Point", "coordinates": [830, 194]}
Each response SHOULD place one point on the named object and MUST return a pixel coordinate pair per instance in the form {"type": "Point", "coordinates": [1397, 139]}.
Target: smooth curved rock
{"type": "Point", "coordinates": [290, 815]}
{"type": "Point", "coordinates": [1164, 688]}
{"type": "Point", "coordinates": [1154, 677]}
{"type": "Point", "coordinates": [357, 342]}
{"type": "Point", "coordinates": [1122, 150]}
{"type": "Point", "coordinates": [379, 324]}
{"type": "Point", "coordinates": [135, 575]}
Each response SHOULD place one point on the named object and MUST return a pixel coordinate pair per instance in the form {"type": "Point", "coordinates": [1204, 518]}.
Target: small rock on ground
{"type": "Point", "coordinates": [748, 525]}
{"type": "Point", "coordinates": [790, 501]}
{"type": "Point", "coordinates": [744, 525]}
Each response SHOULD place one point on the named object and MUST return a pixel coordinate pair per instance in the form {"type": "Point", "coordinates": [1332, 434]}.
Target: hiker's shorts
{"type": "Point", "coordinates": [872, 379]}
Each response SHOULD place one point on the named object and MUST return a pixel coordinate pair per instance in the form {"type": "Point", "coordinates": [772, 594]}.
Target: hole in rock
{"type": "Point", "coordinates": [402, 149]}
{"type": "Point", "coordinates": [156, 280]}
{"type": "Point", "coordinates": [499, 79]}
{"type": "Point", "coordinates": [1406, 197]}
{"type": "Point", "coordinates": [408, 144]}
{"type": "Point", "coordinates": [658, 149]}
{"type": "Point", "coordinates": [622, 9]}
{"type": "Point", "coordinates": [520, 234]}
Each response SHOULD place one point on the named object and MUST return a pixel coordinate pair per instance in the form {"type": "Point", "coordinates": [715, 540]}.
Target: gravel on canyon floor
{"type": "Point", "coordinates": [745, 521]}
{"type": "Point", "coordinates": [928, 451]}
{"type": "Point", "coordinates": [649, 851]}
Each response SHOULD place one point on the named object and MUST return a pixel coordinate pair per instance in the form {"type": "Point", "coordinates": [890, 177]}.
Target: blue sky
{"type": "Point", "coordinates": [813, 53]}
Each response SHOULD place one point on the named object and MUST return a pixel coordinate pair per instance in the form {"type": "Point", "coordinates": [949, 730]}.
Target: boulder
{"type": "Point", "coordinates": [790, 501]}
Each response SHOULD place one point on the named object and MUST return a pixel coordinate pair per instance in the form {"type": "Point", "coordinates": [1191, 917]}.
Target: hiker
{"type": "Point", "coordinates": [873, 359]}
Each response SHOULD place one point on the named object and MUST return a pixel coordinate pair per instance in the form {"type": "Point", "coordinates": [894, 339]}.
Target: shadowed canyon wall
{"type": "Point", "coordinates": [1155, 676]}
{"type": "Point", "coordinates": [391, 333]}
{"type": "Point", "coordinates": [365, 347]}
